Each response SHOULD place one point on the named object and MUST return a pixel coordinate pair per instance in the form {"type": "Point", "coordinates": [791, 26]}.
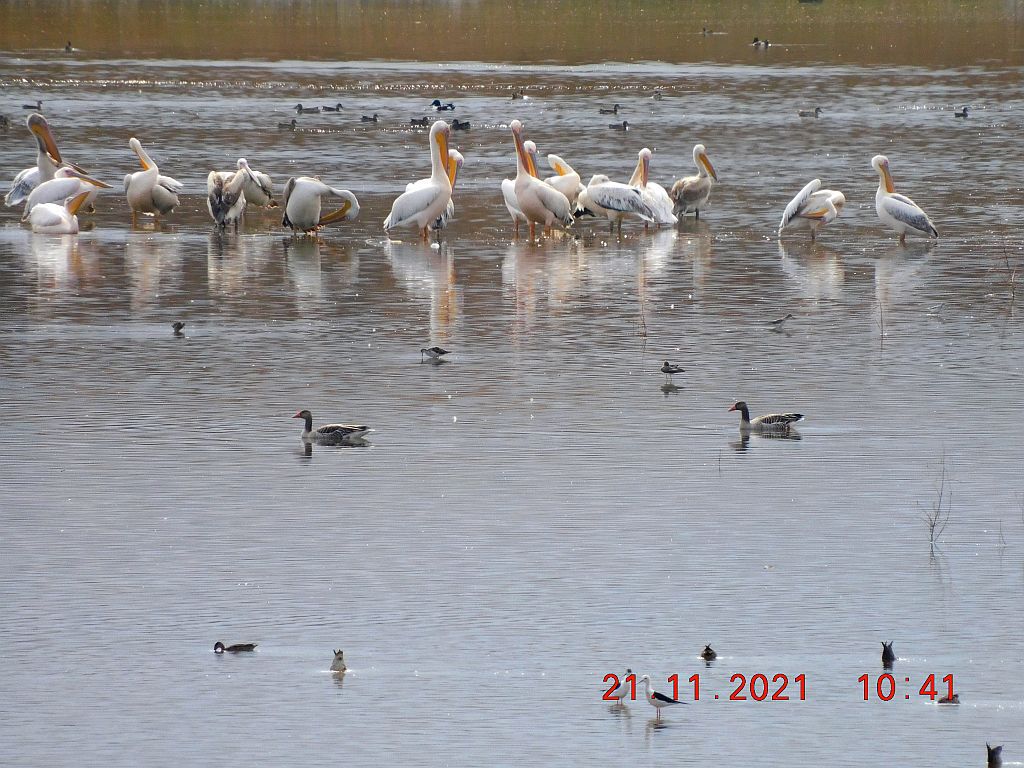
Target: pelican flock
{"type": "Point", "coordinates": [428, 204]}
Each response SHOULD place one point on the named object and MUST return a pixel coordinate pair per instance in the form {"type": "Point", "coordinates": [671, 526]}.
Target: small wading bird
{"type": "Point", "coordinates": [302, 204]}
{"type": "Point", "coordinates": [816, 112]}
{"type": "Point", "coordinates": [427, 199]}
{"type": "Point", "coordinates": [219, 647]}
{"type": "Point", "coordinates": [338, 665]}
{"type": "Point", "coordinates": [433, 353]}
{"type": "Point", "coordinates": [691, 193]}
{"type": "Point", "coordinates": [670, 370]}
{"type": "Point", "coordinates": [779, 423]}
{"type": "Point", "coordinates": [708, 654]}
{"type": "Point", "coordinates": [888, 655]}
{"type": "Point", "coordinates": [898, 211]}
{"type": "Point", "coordinates": [330, 434]}
{"type": "Point", "coordinates": [779, 323]}
{"type": "Point", "coordinates": [812, 208]}
{"type": "Point", "coordinates": [148, 192]}
{"type": "Point", "coordinates": [657, 700]}
{"type": "Point", "coordinates": [53, 219]}
{"type": "Point", "coordinates": [621, 691]}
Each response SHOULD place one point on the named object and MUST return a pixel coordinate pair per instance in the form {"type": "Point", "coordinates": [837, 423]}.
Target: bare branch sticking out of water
{"type": "Point", "coordinates": [1011, 276]}
{"type": "Point", "coordinates": [881, 327]}
{"type": "Point", "coordinates": [936, 516]}
{"type": "Point", "coordinates": [1002, 539]}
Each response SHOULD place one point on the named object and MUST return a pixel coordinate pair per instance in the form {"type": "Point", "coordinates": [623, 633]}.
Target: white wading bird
{"type": "Point", "coordinates": [614, 201]}
{"type": "Point", "coordinates": [655, 699]}
{"type": "Point", "coordinates": [225, 199]}
{"type": "Point", "coordinates": [302, 204]}
{"type": "Point", "coordinates": [53, 219]}
{"type": "Point", "coordinates": [691, 193]}
{"type": "Point", "coordinates": [257, 187]}
{"type": "Point", "coordinates": [48, 160]}
{"type": "Point", "coordinates": [812, 208]}
{"type": "Point", "coordinates": [508, 188]}
{"type": "Point", "coordinates": [67, 182]}
{"type": "Point", "coordinates": [567, 181]}
{"type": "Point", "coordinates": [653, 193]}
{"type": "Point", "coordinates": [428, 198]}
{"type": "Point", "coordinates": [899, 212]}
{"type": "Point", "coordinates": [147, 191]}
{"type": "Point", "coordinates": [455, 162]}
{"type": "Point", "coordinates": [539, 202]}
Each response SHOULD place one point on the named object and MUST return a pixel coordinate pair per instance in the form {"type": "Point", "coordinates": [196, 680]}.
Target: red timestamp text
{"type": "Point", "coordinates": [886, 687]}
{"type": "Point", "coordinates": [756, 687]}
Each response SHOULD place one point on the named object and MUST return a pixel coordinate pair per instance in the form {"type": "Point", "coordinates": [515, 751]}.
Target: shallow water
{"type": "Point", "coordinates": [543, 509]}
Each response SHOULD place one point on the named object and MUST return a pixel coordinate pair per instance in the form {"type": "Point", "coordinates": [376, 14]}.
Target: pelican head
{"type": "Point", "coordinates": [531, 152]}
{"type": "Point", "coordinates": [243, 163]}
{"type": "Point", "coordinates": [455, 161]}
{"type": "Point", "coordinates": [44, 138]}
{"type": "Point", "coordinates": [144, 159]}
{"type": "Point", "coordinates": [68, 172]}
{"type": "Point", "coordinates": [440, 134]}
{"type": "Point", "coordinates": [700, 159]}
{"type": "Point", "coordinates": [645, 165]}
{"type": "Point", "coordinates": [881, 164]}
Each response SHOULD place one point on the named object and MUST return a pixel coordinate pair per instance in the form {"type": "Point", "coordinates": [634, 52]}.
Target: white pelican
{"type": "Point", "coordinates": [653, 193]}
{"type": "Point", "coordinates": [428, 198]}
{"type": "Point", "coordinates": [48, 160]}
{"type": "Point", "coordinates": [148, 192]}
{"type": "Point", "coordinates": [225, 199]}
{"type": "Point", "coordinates": [455, 162]}
{"type": "Point", "coordinates": [899, 212]}
{"type": "Point", "coordinates": [302, 204]}
{"type": "Point", "coordinates": [257, 187]}
{"type": "Point", "coordinates": [691, 193]}
{"type": "Point", "coordinates": [614, 201]}
{"type": "Point", "coordinates": [53, 219]}
{"type": "Point", "coordinates": [655, 699]}
{"type": "Point", "coordinates": [812, 208]}
{"type": "Point", "coordinates": [567, 181]}
{"type": "Point", "coordinates": [539, 202]}
{"type": "Point", "coordinates": [66, 183]}
{"type": "Point", "coordinates": [508, 189]}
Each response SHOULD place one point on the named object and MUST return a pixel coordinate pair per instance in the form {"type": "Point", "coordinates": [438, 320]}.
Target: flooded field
{"type": "Point", "coordinates": [545, 508]}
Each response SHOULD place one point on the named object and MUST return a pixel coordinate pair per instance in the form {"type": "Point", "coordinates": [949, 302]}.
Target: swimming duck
{"type": "Point", "coordinates": [613, 111]}
{"type": "Point", "coordinates": [289, 126]}
{"type": "Point", "coordinates": [4, 123]}
{"type": "Point", "coordinates": [954, 699]}
{"type": "Point", "coordinates": [335, 108]}
{"type": "Point", "coordinates": [657, 95]}
{"type": "Point", "coordinates": [306, 110]}
{"type": "Point", "coordinates": [37, 107]}
{"type": "Point", "coordinates": [68, 48]}
{"type": "Point", "coordinates": [329, 434]}
{"type": "Point", "coordinates": [439, 106]}
{"type": "Point", "coordinates": [816, 112]}
{"type": "Point", "coordinates": [373, 119]}
{"type": "Point", "coordinates": [770, 422]}
{"type": "Point", "coordinates": [219, 647]}
{"type": "Point", "coordinates": [420, 122]}
{"type": "Point", "coordinates": [434, 353]}
{"type": "Point", "coordinates": [338, 665]}
{"type": "Point", "coordinates": [460, 125]}
{"type": "Point", "coordinates": [177, 326]}
{"type": "Point", "coordinates": [708, 654]}
{"type": "Point", "coordinates": [962, 112]}
{"type": "Point", "coordinates": [760, 43]}
{"type": "Point", "coordinates": [995, 756]}
{"type": "Point", "coordinates": [519, 95]}
{"type": "Point", "coordinates": [623, 126]}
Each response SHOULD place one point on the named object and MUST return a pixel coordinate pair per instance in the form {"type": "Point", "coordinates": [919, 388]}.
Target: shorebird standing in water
{"type": "Point", "coordinates": [777, 325]}
{"type": "Point", "coordinates": [668, 369]}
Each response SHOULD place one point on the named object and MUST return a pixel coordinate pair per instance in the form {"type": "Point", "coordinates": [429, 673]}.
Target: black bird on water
{"type": "Point", "coordinates": [708, 654]}
{"type": "Point", "coordinates": [440, 106]}
{"type": "Point", "coordinates": [177, 326]}
{"type": "Point", "coordinates": [888, 655]}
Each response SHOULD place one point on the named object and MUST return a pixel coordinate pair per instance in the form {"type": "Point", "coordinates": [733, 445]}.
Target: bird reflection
{"type": "Point", "coordinates": [899, 274]}
{"type": "Point", "coordinates": [423, 269]}
{"type": "Point", "coordinates": [339, 679]}
{"type": "Point", "coordinates": [743, 443]}
{"type": "Point", "coordinates": [668, 388]}
{"type": "Point", "coordinates": [653, 725]}
{"type": "Point", "coordinates": [815, 269]}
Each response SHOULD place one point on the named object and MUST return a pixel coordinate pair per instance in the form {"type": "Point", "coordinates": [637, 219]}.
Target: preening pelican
{"type": "Point", "coordinates": [48, 160]}
{"type": "Point", "coordinates": [148, 192]}
{"type": "Point", "coordinates": [225, 199]}
{"type": "Point", "coordinates": [53, 219]}
{"type": "Point", "coordinates": [899, 212]}
{"type": "Point", "coordinates": [66, 183]}
{"type": "Point", "coordinates": [428, 198]}
{"type": "Point", "coordinates": [615, 201]}
{"type": "Point", "coordinates": [567, 181]}
{"type": "Point", "coordinates": [257, 187]}
{"type": "Point", "coordinates": [692, 192]}
{"type": "Point", "coordinates": [653, 193]}
{"type": "Point", "coordinates": [812, 208]}
{"type": "Point", "coordinates": [539, 202]}
{"type": "Point", "coordinates": [508, 188]}
{"type": "Point", "coordinates": [302, 204]}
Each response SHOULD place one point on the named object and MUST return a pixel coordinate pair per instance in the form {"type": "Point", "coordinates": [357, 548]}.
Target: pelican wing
{"type": "Point", "coordinates": [796, 205]}
{"type": "Point", "coordinates": [508, 192]}
{"type": "Point", "coordinates": [171, 185]}
{"type": "Point", "coordinates": [659, 202]}
{"type": "Point", "coordinates": [555, 202]}
{"type": "Point", "coordinates": [53, 219]}
{"type": "Point", "coordinates": [52, 191]}
{"type": "Point", "coordinates": [621, 198]}
{"type": "Point", "coordinates": [907, 211]}
{"type": "Point", "coordinates": [22, 187]}
{"type": "Point", "coordinates": [412, 203]}
{"type": "Point", "coordinates": [690, 191]}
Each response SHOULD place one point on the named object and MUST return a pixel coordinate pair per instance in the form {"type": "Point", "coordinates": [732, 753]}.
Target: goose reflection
{"type": "Point", "coordinates": [816, 270]}
{"type": "Point", "coordinates": [743, 444]}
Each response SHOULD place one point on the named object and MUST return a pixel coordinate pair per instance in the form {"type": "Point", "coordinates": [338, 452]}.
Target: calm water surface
{"type": "Point", "coordinates": [543, 509]}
